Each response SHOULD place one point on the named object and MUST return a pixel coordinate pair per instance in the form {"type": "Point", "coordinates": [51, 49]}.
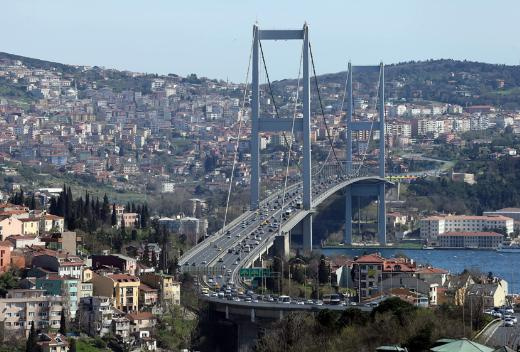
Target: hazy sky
{"type": "Point", "coordinates": [213, 38]}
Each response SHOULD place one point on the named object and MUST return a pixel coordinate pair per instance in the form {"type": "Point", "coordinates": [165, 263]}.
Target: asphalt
{"type": "Point", "coordinates": [501, 335]}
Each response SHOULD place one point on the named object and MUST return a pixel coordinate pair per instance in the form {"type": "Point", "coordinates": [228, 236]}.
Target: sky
{"type": "Point", "coordinates": [213, 38]}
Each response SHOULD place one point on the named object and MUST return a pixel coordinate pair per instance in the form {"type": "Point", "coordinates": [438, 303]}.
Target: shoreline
{"type": "Point", "coordinates": [414, 248]}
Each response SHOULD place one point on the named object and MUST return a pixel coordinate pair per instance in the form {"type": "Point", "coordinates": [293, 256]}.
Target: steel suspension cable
{"type": "Point", "coordinates": [323, 111]}
{"type": "Point", "coordinates": [240, 121]}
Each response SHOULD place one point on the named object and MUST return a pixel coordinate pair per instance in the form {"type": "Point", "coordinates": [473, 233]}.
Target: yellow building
{"type": "Point", "coordinates": [123, 289]}
{"type": "Point", "coordinates": [169, 289]}
{"type": "Point", "coordinates": [30, 226]}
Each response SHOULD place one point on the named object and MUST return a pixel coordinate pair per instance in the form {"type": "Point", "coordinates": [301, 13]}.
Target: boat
{"type": "Point", "coordinates": [428, 247]}
{"type": "Point", "coordinates": [512, 248]}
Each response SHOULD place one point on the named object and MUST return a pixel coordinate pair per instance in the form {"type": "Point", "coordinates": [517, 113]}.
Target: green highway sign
{"type": "Point", "coordinates": [255, 272]}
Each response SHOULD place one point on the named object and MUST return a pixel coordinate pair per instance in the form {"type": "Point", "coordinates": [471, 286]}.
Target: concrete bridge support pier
{"type": "Point", "coordinates": [347, 238]}
{"type": "Point", "coordinates": [307, 233]}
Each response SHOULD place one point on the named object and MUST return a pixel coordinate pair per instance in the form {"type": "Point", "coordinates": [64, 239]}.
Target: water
{"type": "Point", "coordinates": [503, 265]}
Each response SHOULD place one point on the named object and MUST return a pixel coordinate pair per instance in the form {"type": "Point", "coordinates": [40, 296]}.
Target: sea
{"type": "Point", "coordinates": [503, 265]}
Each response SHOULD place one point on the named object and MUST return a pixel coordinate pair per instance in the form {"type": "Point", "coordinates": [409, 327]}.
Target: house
{"type": "Point", "coordinates": [490, 294]}
{"type": "Point", "coordinates": [169, 289]}
{"type": "Point", "coordinates": [10, 226]}
{"type": "Point", "coordinates": [61, 241]}
{"type": "Point", "coordinates": [30, 226]}
{"type": "Point", "coordinates": [50, 342]}
{"type": "Point", "coordinates": [123, 289]}
{"type": "Point", "coordinates": [51, 223]}
{"type": "Point", "coordinates": [141, 321]}
{"type": "Point", "coordinates": [60, 262]}
{"type": "Point", "coordinates": [148, 296]}
{"type": "Point", "coordinates": [5, 255]}
{"type": "Point", "coordinates": [122, 262]}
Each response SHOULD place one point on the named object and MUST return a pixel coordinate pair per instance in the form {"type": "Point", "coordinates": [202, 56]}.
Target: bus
{"type": "Point", "coordinates": [247, 248]}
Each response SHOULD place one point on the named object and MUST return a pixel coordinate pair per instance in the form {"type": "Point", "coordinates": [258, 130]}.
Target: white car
{"type": "Point", "coordinates": [509, 322]}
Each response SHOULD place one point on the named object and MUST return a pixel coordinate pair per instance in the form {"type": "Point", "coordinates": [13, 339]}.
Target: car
{"type": "Point", "coordinates": [193, 264]}
{"type": "Point", "coordinates": [300, 302]}
{"type": "Point", "coordinates": [228, 236]}
{"type": "Point", "coordinates": [186, 264]}
{"type": "Point", "coordinates": [219, 276]}
{"type": "Point", "coordinates": [214, 294]}
{"type": "Point", "coordinates": [220, 260]}
{"type": "Point", "coordinates": [318, 302]}
{"type": "Point", "coordinates": [204, 262]}
{"type": "Point", "coordinates": [509, 323]}
{"type": "Point", "coordinates": [309, 301]}
{"type": "Point", "coordinates": [497, 314]}
{"type": "Point", "coordinates": [510, 310]}
{"type": "Point", "coordinates": [514, 319]}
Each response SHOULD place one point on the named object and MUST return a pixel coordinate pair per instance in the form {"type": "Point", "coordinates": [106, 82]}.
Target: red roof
{"type": "Point", "coordinates": [370, 258]}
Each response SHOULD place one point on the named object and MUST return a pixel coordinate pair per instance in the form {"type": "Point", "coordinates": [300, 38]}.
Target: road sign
{"type": "Point", "coordinates": [255, 272]}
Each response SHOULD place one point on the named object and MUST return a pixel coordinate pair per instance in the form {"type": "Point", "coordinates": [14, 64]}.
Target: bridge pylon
{"type": "Point", "coordinates": [269, 124]}
{"type": "Point", "coordinates": [358, 190]}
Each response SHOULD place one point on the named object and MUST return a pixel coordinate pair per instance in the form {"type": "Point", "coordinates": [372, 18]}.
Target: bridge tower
{"type": "Point", "coordinates": [368, 189]}
{"type": "Point", "coordinates": [269, 124]}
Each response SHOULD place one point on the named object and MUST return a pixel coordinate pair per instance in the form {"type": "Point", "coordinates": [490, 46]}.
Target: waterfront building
{"type": "Point", "coordinates": [433, 226]}
{"type": "Point", "coordinates": [487, 240]}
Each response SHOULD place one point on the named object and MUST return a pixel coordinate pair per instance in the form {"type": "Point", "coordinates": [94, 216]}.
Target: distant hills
{"type": "Point", "coordinates": [445, 80]}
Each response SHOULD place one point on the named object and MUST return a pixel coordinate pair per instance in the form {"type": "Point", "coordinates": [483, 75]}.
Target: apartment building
{"type": "Point", "coordinates": [62, 263]}
{"type": "Point", "coordinates": [66, 287]}
{"type": "Point", "coordinates": [169, 289]}
{"type": "Point", "coordinates": [432, 226]}
{"type": "Point", "coordinates": [95, 315]}
{"type": "Point", "coordinates": [23, 308]}
{"type": "Point", "coordinates": [123, 289]}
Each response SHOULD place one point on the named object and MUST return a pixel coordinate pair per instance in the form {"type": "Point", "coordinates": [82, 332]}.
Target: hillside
{"type": "Point", "coordinates": [449, 81]}
{"type": "Point", "coordinates": [445, 80]}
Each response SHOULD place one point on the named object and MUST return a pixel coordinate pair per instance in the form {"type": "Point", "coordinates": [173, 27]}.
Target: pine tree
{"type": "Point", "coordinates": [114, 215]}
{"type": "Point", "coordinates": [72, 345]}
{"type": "Point", "coordinates": [31, 345]}
{"type": "Point", "coordinates": [105, 209]}
{"type": "Point", "coordinates": [32, 206]}
{"type": "Point", "coordinates": [63, 323]}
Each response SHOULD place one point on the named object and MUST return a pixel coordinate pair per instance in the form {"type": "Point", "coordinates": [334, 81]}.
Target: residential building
{"type": "Point", "coordinates": [141, 321]}
{"type": "Point", "coordinates": [490, 294]}
{"type": "Point", "coordinates": [148, 297]}
{"type": "Point", "coordinates": [62, 263]}
{"type": "Point", "coordinates": [23, 308]}
{"type": "Point", "coordinates": [5, 255]}
{"type": "Point", "coordinates": [95, 315]}
{"type": "Point", "coordinates": [66, 287]}
{"type": "Point", "coordinates": [10, 226]}
{"type": "Point", "coordinates": [30, 226]}
{"type": "Point", "coordinates": [169, 289]}
{"type": "Point", "coordinates": [124, 263]}
{"type": "Point", "coordinates": [49, 342]}
{"type": "Point", "coordinates": [123, 289]}
{"type": "Point", "coordinates": [61, 241]}
{"type": "Point", "coordinates": [51, 223]}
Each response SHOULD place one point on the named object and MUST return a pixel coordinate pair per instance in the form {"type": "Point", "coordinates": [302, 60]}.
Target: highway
{"type": "Point", "coordinates": [502, 335]}
{"type": "Point", "coordinates": [218, 259]}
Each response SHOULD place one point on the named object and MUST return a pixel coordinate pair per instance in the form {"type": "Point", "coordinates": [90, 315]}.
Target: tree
{"type": "Point", "coordinates": [114, 215]}
{"type": "Point", "coordinates": [72, 345]}
{"type": "Point", "coordinates": [31, 345]}
{"type": "Point", "coordinates": [63, 323]}
{"type": "Point", "coordinates": [323, 271]}
{"type": "Point", "coordinates": [105, 209]}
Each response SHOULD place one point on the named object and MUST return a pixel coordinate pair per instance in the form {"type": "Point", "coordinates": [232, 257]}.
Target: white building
{"type": "Point", "coordinates": [433, 226]}
{"type": "Point", "coordinates": [167, 187]}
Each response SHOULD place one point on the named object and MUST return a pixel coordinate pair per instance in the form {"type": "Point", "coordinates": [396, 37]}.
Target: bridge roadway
{"type": "Point", "coordinates": [221, 255]}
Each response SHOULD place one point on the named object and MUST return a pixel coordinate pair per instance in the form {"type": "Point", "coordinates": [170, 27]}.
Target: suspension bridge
{"type": "Point", "coordinates": [265, 229]}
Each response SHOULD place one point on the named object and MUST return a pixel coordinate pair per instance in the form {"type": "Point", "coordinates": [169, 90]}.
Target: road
{"type": "Point", "coordinates": [501, 335]}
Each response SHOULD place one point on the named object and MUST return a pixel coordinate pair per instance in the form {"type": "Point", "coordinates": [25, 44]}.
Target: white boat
{"type": "Point", "coordinates": [512, 248]}
{"type": "Point", "coordinates": [428, 247]}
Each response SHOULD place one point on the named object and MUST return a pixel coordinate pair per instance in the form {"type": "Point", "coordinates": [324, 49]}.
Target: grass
{"type": "Point", "coordinates": [87, 345]}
